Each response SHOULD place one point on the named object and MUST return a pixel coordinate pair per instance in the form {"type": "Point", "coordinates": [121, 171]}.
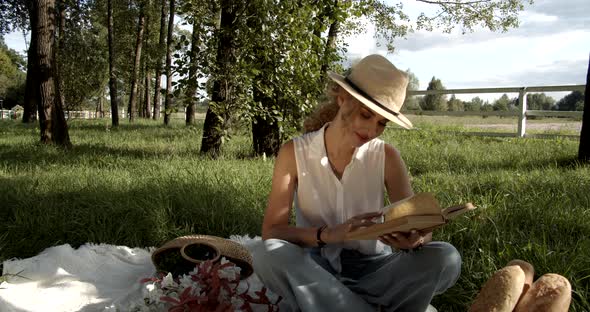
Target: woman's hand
{"type": "Point", "coordinates": [406, 241]}
{"type": "Point", "coordinates": [337, 234]}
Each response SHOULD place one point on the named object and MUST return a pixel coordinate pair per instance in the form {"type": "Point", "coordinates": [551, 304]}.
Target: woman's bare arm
{"type": "Point", "coordinates": [397, 183]}
{"type": "Point", "coordinates": [280, 200]}
{"type": "Point", "coordinates": [397, 180]}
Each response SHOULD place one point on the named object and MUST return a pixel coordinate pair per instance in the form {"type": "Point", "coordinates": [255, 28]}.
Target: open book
{"type": "Point", "coordinates": [420, 212]}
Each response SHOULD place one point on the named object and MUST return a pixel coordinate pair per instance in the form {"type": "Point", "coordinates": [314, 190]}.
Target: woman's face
{"type": "Point", "coordinates": [360, 123]}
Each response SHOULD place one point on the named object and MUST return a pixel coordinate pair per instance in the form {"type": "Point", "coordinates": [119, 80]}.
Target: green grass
{"type": "Point", "coordinates": [496, 124]}
{"type": "Point", "coordinates": [143, 184]}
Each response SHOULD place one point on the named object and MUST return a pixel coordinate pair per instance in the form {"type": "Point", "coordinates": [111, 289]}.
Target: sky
{"type": "Point", "coordinates": [550, 47]}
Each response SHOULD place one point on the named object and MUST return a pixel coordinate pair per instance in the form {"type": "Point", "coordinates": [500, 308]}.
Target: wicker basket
{"type": "Point", "coordinates": [235, 252]}
{"type": "Point", "coordinates": [212, 255]}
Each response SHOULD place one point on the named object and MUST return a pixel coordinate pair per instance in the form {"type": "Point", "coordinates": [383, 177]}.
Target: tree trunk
{"type": "Point", "coordinates": [168, 99]}
{"type": "Point", "coordinates": [112, 75]}
{"type": "Point", "coordinates": [147, 106]}
{"type": "Point", "coordinates": [190, 111]}
{"type": "Point", "coordinates": [136, 66]}
{"type": "Point", "coordinates": [100, 105]}
{"type": "Point", "coordinates": [54, 129]}
{"type": "Point", "coordinates": [31, 101]}
{"type": "Point", "coordinates": [191, 90]}
{"type": "Point", "coordinates": [212, 129]}
{"type": "Point", "coordinates": [317, 31]}
{"type": "Point", "coordinates": [265, 126]}
{"type": "Point", "coordinates": [140, 92]}
{"type": "Point", "coordinates": [223, 88]}
{"type": "Point", "coordinates": [331, 41]}
{"type": "Point", "coordinates": [159, 57]}
{"type": "Point", "coordinates": [584, 151]}
{"type": "Point", "coordinates": [265, 131]}
{"type": "Point", "coordinates": [60, 42]}
{"type": "Point", "coordinates": [265, 136]}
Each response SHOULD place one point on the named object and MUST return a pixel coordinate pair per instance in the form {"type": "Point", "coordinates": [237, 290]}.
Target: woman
{"type": "Point", "coordinates": [335, 174]}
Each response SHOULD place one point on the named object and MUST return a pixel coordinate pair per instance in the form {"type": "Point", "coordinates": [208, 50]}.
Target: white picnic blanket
{"type": "Point", "coordinates": [94, 277]}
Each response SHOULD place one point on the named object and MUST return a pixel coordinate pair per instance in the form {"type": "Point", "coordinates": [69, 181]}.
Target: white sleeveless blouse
{"type": "Point", "coordinates": [322, 199]}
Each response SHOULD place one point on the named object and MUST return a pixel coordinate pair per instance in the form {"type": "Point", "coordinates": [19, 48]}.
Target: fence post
{"type": "Point", "coordinates": [522, 115]}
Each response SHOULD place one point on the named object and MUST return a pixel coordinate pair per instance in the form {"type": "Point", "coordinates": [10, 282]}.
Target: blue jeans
{"type": "Point", "coordinates": [395, 281]}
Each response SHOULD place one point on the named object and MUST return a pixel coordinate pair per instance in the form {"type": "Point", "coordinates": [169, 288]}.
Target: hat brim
{"type": "Point", "coordinates": [399, 119]}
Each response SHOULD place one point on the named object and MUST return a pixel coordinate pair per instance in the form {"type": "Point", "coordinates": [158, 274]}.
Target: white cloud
{"type": "Point", "coordinates": [549, 48]}
{"type": "Point", "coordinates": [533, 17]}
{"type": "Point", "coordinates": [362, 44]}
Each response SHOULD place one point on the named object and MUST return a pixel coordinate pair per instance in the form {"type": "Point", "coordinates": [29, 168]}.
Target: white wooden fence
{"type": "Point", "coordinates": [107, 114]}
{"type": "Point", "coordinates": [9, 114]}
{"type": "Point", "coordinates": [5, 114]}
{"type": "Point", "coordinates": [522, 114]}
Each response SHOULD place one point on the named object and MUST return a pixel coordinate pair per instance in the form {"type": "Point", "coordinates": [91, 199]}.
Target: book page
{"type": "Point", "coordinates": [419, 204]}
{"type": "Point", "coordinates": [404, 224]}
{"type": "Point", "coordinates": [455, 211]}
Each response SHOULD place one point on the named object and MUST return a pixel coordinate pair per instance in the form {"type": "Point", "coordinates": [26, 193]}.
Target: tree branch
{"type": "Point", "coordinates": [454, 2]}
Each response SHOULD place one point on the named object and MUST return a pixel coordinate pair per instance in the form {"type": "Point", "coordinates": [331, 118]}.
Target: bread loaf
{"type": "Point", "coordinates": [501, 292]}
{"type": "Point", "coordinates": [549, 293]}
{"type": "Point", "coordinates": [529, 274]}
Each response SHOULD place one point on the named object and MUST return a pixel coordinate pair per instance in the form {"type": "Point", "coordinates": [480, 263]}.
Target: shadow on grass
{"type": "Point", "coordinates": [131, 141]}
{"type": "Point", "coordinates": [138, 217]}
{"type": "Point", "coordinates": [36, 154]}
{"type": "Point", "coordinates": [457, 165]}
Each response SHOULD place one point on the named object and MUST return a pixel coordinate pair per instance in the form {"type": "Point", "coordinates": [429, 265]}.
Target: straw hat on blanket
{"type": "Point", "coordinates": [232, 251]}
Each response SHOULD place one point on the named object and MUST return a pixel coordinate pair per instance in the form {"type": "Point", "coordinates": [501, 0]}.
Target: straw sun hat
{"type": "Point", "coordinates": [379, 85]}
{"type": "Point", "coordinates": [221, 247]}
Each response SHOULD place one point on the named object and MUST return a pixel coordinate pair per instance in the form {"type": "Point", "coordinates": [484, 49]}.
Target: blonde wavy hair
{"type": "Point", "coordinates": [325, 112]}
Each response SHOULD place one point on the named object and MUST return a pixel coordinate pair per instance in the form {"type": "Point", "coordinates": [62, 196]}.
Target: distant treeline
{"type": "Point", "coordinates": [534, 101]}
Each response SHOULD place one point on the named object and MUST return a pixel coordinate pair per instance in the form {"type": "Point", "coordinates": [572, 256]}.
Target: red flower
{"type": "Point", "coordinates": [209, 298]}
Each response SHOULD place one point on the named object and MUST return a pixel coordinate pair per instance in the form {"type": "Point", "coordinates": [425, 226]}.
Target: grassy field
{"type": "Point", "coordinates": [506, 124]}
{"type": "Point", "coordinates": [143, 184]}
